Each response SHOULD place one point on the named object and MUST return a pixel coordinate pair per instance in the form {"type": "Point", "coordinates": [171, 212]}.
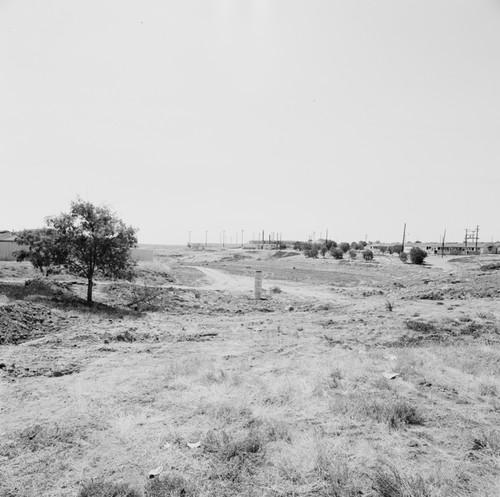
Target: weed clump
{"type": "Point", "coordinates": [108, 489]}
{"type": "Point", "coordinates": [394, 412]}
{"type": "Point", "coordinates": [420, 326]}
{"type": "Point", "coordinates": [227, 445]}
{"type": "Point", "coordinates": [389, 482]}
{"type": "Point", "coordinates": [170, 486]}
{"type": "Point", "coordinates": [403, 413]}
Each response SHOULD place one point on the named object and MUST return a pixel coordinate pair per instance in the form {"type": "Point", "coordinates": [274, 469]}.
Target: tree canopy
{"type": "Point", "coordinates": [86, 241]}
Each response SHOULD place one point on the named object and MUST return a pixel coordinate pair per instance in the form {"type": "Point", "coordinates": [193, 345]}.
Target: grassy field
{"type": "Point", "coordinates": [348, 379]}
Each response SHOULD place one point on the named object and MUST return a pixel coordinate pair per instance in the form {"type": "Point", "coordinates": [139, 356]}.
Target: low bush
{"type": "Point", "coordinates": [337, 253]}
{"type": "Point", "coordinates": [417, 255]}
{"type": "Point", "coordinates": [353, 254]}
{"type": "Point", "coordinates": [403, 256]}
{"type": "Point", "coordinates": [367, 255]}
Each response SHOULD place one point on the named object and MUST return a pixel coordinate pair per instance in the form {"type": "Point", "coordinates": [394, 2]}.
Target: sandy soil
{"type": "Point", "coordinates": [316, 372]}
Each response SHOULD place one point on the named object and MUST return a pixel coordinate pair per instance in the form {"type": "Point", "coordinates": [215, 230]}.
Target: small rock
{"type": "Point", "coordinates": [390, 376]}
{"type": "Point", "coordinates": [155, 472]}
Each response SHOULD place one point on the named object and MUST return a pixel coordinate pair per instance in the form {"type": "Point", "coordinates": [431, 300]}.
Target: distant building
{"type": "Point", "coordinates": [450, 248]}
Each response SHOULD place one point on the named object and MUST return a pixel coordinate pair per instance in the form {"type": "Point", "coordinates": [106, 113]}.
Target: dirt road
{"type": "Point", "coordinates": [220, 280]}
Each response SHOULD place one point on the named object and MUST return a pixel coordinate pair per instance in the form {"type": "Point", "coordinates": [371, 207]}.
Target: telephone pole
{"type": "Point", "coordinates": [403, 244]}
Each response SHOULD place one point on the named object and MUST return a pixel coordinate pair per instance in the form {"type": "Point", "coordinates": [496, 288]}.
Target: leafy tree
{"type": "Point", "coordinates": [87, 241]}
{"type": "Point", "coordinates": [311, 250]}
{"type": "Point", "coordinates": [297, 245]}
{"type": "Point", "coordinates": [323, 250]}
{"type": "Point", "coordinates": [344, 246]}
{"type": "Point", "coordinates": [417, 255]}
{"type": "Point", "coordinates": [354, 246]}
{"type": "Point", "coordinates": [362, 244]}
{"type": "Point", "coordinates": [367, 255]}
{"type": "Point", "coordinates": [353, 254]}
{"type": "Point", "coordinates": [337, 253]}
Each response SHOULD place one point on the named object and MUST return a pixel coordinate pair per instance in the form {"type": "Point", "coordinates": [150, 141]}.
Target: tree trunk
{"type": "Point", "coordinates": [89, 291]}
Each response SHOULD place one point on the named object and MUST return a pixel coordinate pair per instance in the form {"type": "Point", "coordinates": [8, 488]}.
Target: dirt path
{"type": "Point", "coordinates": [220, 280]}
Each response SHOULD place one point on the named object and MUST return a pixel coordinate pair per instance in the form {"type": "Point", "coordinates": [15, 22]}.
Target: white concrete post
{"type": "Point", "coordinates": [258, 285]}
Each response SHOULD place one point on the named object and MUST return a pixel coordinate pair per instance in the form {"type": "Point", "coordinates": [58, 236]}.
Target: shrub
{"type": "Point", "coordinates": [383, 249]}
{"type": "Point", "coordinates": [344, 246]}
{"type": "Point", "coordinates": [310, 249]}
{"type": "Point", "coordinates": [403, 256]}
{"type": "Point", "coordinates": [337, 253]}
{"type": "Point", "coordinates": [352, 254]}
{"type": "Point", "coordinates": [330, 243]}
{"type": "Point", "coordinates": [417, 255]}
{"type": "Point", "coordinates": [355, 246]}
{"type": "Point", "coordinates": [367, 255]}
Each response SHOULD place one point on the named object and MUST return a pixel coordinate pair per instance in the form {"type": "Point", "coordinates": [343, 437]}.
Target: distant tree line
{"type": "Point", "coordinates": [339, 250]}
{"type": "Point", "coordinates": [334, 249]}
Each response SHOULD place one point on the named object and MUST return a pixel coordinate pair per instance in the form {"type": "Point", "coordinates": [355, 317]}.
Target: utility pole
{"type": "Point", "coordinates": [189, 243]}
{"type": "Point", "coordinates": [403, 244]}
{"type": "Point", "coordinates": [442, 246]}
{"type": "Point", "coordinates": [473, 236]}
{"type": "Point", "coordinates": [242, 238]}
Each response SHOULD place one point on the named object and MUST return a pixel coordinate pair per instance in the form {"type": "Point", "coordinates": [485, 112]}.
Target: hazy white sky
{"type": "Point", "coordinates": [278, 115]}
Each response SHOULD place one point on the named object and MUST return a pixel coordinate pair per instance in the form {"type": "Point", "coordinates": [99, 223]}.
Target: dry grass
{"type": "Point", "coordinates": [267, 407]}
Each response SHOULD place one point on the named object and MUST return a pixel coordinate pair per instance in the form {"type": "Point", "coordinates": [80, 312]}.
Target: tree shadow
{"type": "Point", "coordinates": [60, 296]}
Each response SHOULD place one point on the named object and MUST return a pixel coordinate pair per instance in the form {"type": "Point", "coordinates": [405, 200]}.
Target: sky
{"type": "Point", "coordinates": [196, 117]}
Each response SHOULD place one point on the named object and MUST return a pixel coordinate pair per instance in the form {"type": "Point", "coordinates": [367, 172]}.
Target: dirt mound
{"type": "Point", "coordinates": [235, 257]}
{"type": "Point", "coordinates": [23, 321]}
{"type": "Point", "coordinates": [492, 266]}
{"type": "Point", "coordinates": [280, 254]}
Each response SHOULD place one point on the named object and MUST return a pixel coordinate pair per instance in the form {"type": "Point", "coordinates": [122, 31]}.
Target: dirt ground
{"type": "Point", "coordinates": [347, 378]}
